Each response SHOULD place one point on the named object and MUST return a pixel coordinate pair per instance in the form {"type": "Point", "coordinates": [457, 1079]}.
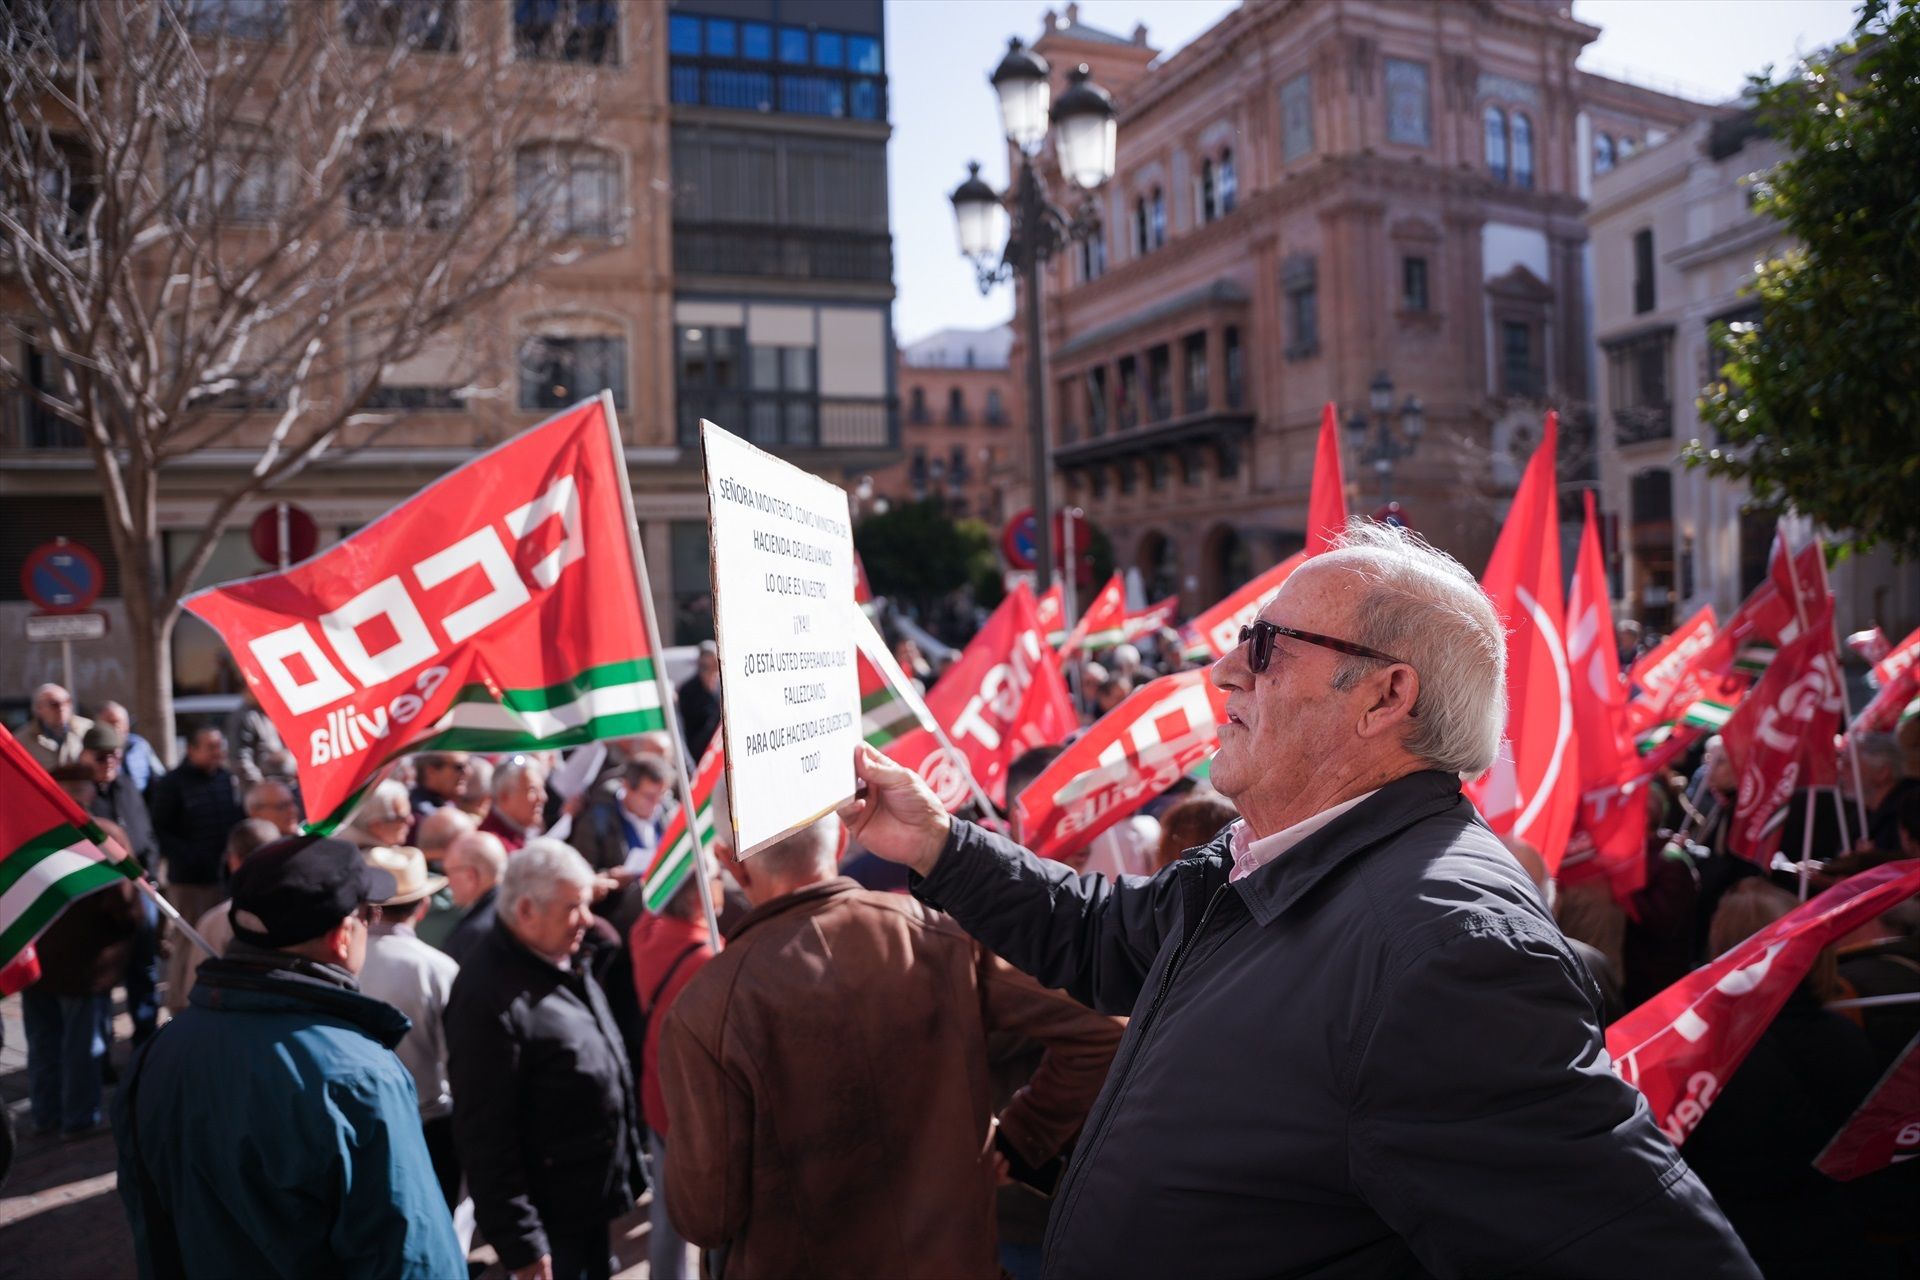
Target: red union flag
{"type": "Point", "coordinates": [1327, 500]}
{"type": "Point", "coordinates": [1885, 1129]}
{"type": "Point", "coordinates": [1533, 789]}
{"type": "Point", "coordinates": [1681, 1047]}
{"type": "Point", "coordinates": [1610, 827]}
{"type": "Point", "coordinates": [987, 703]}
{"type": "Point", "coordinates": [1781, 739]}
{"type": "Point", "coordinates": [1129, 756]}
{"type": "Point", "coordinates": [1659, 673]}
{"type": "Point", "coordinates": [1898, 678]}
{"type": "Point", "coordinates": [1104, 623]}
{"type": "Point", "coordinates": [496, 610]}
{"type": "Point", "coordinates": [1051, 610]}
{"type": "Point", "coordinates": [1151, 618]}
{"type": "Point", "coordinates": [1218, 628]}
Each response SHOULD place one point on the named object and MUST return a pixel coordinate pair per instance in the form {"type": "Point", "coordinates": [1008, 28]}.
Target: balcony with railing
{"type": "Point", "coordinates": [1643, 423]}
{"type": "Point", "coordinates": [26, 426]}
{"type": "Point", "coordinates": [792, 420]}
{"type": "Point", "coordinates": [783, 253]}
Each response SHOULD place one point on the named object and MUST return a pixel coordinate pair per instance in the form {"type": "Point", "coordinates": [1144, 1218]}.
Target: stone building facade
{"type": "Point", "coordinates": [963, 438]}
{"type": "Point", "coordinates": [1308, 196]}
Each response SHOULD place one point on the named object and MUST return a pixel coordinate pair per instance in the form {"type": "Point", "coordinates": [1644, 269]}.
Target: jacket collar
{"type": "Point", "coordinates": [1270, 890]}
{"type": "Point", "coordinates": [253, 979]}
{"type": "Point", "coordinates": [811, 896]}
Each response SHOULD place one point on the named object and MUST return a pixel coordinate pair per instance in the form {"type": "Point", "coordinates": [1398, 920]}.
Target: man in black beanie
{"type": "Point", "coordinates": [269, 1130]}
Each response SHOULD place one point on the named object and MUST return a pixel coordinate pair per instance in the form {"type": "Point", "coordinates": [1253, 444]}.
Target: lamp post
{"type": "Point", "coordinates": [1084, 133]}
{"type": "Point", "coordinates": [1372, 438]}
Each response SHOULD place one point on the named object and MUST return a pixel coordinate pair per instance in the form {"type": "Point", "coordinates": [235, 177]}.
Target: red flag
{"type": "Point", "coordinates": [1218, 628]}
{"type": "Point", "coordinates": [982, 701]}
{"type": "Point", "coordinates": [1659, 671]}
{"type": "Point", "coordinates": [1151, 618]}
{"type": "Point", "coordinates": [496, 610]}
{"type": "Point", "coordinates": [862, 593]}
{"type": "Point", "coordinates": [1681, 1047]}
{"type": "Point", "coordinates": [1051, 610]}
{"type": "Point", "coordinates": [1327, 501]}
{"type": "Point", "coordinates": [1532, 790]}
{"type": "Point", "coordinates": [1872, 645]}
{"type": "Point", "coordinates": [1610, 827]}
{"type": "Point", "coordinates": [1103, 625]}
{"type": "Point", "coordinates": [1129, 756]}
{"type": "Point", "coordinates": [1781, 739]}
{"type": "Point", "coordinates": [1898, 677]}
{"type": "Point", "coordinates": [1885, 1128]}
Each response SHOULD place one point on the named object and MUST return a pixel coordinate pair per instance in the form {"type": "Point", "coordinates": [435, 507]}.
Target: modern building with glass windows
{"type": "Point", "coordinates": [782, 262]}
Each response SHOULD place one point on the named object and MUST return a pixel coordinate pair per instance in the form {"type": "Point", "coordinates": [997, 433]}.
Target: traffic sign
{"type": "Point", "coordinates": [54, 627]}
{"type": "Point", "coordinates": [302, 534]}
{"type": "Point", "coordinates": [1016, 540]}
{"type": "Point", "coordinates": [61, 576]}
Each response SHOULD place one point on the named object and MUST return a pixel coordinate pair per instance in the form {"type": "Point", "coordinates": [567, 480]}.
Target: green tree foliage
{"type": "Point", "coordinates": [918, 555]}
{"type": "Point", "coordinates": [1818, 405]}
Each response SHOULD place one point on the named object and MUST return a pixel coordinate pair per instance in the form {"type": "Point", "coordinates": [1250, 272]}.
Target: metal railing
{"type": "Point", "coordinates": [780, 252]}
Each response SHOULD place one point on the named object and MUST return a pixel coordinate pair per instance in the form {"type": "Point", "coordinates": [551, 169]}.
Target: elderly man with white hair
{"type": "Point", "coordinates": [545, 1119]}
{"type": "Point", "coordinates": [1358, 1043]}
{"type": "Point", "coordinates": [519, 800]}
{"type": "Point", "coordinates": [53, 734]}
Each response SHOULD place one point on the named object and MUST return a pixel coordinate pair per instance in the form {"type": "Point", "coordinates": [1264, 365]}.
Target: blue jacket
{"type": "Point", "coordinates": [280, 1134]}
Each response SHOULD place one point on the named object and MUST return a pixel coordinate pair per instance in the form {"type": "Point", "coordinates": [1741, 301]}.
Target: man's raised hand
{"type": "Point", "coordinates": [896, 815]}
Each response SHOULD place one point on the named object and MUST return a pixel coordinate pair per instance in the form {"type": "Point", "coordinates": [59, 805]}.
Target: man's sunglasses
{"type": "Point", "coordinates": [1259, 641]}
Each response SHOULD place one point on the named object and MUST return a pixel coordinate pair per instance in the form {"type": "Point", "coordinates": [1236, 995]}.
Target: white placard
{"type": "Point", "coordinates": [781, 549]}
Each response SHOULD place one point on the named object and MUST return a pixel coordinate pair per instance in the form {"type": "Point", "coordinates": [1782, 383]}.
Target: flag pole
{"type": "Point", "coordinates": [1806, 842]}
{"type": "Point", "coordinates": [123, 856]}
{"type": "Point", "coordinates": [669, 710]}
{"type": "Point", "coordinates": [891, 670]}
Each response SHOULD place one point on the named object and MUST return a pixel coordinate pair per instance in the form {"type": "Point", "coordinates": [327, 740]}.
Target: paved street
{"type": "Point", "coordinates": [60, 1215]}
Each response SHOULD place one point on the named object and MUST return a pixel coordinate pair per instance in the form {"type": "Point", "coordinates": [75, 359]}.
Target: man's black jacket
{"type": "Point", "coordinates": [193, 810]}
{"type": "Point", "coordinates": [1374, 1056]}
{"type": "Point", "coordinates": [121, 802]}
{"type": "Point", "coordinates": [544, 1115]}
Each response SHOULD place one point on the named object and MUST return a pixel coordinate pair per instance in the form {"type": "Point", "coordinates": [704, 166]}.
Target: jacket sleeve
{"type": "Point", "coordinates": [1092, 937]}
{"type": "Point", "coordinates": [1045, 1114]}
{"type": "Point", "coordinates": [1489, 1131]}
{"type": "Point", "coordinates": [391, 1221]}
{"type": "Point", "coordinates": [710, 1143]}
{"type": "Point", "coordinates": [483, 1071]}
{"type": "Point", "coordinates": [169, 817]}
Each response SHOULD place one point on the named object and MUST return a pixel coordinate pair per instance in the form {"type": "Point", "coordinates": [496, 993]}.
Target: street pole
{"type": "Point", "coordinates": [1028, 245]}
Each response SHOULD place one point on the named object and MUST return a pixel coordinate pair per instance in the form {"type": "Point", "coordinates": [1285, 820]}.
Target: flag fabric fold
{"type": "Point", "coordinates": [1150, 619]}
{"type": "Point", "coordinates": [1885, 1128]}
{"type": "Point", "coordinates": [496, 610]}
{"type": "Point", "coordinates": [1781, 740]}
{"type": "Point", "coordinates": [51, 852]}
{"type": "Point", "coordinates": [1681, 1047]}
{"type": "Point", "coordinates": [1327, 499]}
{"type": "Point", "coordinates": [1533, 789]}
{"type": "Point", "coordinates": [676, 857]}
{"type": "Point", "coordinates": [1104, 623]}
{"type": "Point", "coordinates": [1897, 695]}
{"type": "Point", "coordinates": [1051, 609]}
{"type": "Point", "coordinates": [1130, 755]}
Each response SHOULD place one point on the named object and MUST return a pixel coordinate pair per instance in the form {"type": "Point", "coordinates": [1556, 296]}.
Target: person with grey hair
{"type": "Point", "coordinates": [272, 800]}
{"type": "Point", "coordinates": [383, 818]}
{"type": "Point", "coordinates": [820, 982]}
{"type": "Point", "coordinates": [141, 764]}
{"type": "Point", "coordinates": [1358, 1041]}
{"type": "Point", "coordinates": [544, 1119]}
{"type": "Point", "coordinates": [519, 800]}
{"type": "Point", "coordinates": [473, 865]}
{"type": "Point", "coordinates": [433, 836]}
{"type": "Point", "coordinates": [53, 735]}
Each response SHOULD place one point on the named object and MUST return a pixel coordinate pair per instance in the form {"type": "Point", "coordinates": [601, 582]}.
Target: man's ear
{"type": "Point", "coordinates": [1393, 693]}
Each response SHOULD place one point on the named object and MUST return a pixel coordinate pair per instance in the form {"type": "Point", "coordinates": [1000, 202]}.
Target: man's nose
{"type": "Point", "coordinates": [1230, 671]}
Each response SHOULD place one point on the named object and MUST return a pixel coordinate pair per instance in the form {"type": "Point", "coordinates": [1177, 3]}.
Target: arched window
{"type": "Point", "coordinates": [1229, 182]}
{"type": "Point", "coordinates": [1522, 150]}
{"type": "Point", "coordinates": [1496, 123]}
{"type": "Point", "coordinates": [1140, 244]}
{"type": "Point", "coordinates": [1603, 153]}
{"type": "Point", "coordinates": [1208, 211]}
{"type": "Point", "coordinates": [1159, 217]}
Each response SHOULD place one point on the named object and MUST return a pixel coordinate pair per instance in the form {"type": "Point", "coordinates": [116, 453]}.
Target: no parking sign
{"type": "Point", "coordinates": [62, 576]}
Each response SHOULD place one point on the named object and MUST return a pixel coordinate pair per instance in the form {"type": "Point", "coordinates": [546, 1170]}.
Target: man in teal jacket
{"type": "Point", "coordinates": [269, 1130]}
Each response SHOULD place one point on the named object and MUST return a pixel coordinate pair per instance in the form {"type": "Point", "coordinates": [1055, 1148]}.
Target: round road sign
{"type": "Point", "coordinates": [1016, 540]}
{"type": "Point", "coordinates": [62, 576]}
{"type": "Point", "coordinates": [303, 535]}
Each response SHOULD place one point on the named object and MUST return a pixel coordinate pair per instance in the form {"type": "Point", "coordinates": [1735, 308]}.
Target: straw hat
{"type": "Point", "coordinates": [408, 867]}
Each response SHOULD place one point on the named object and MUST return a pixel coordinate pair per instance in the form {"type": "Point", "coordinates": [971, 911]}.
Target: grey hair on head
{"type": "Point", "coordinates": [1422, 605]}
{"type": "Point", "coordinates": [533, 872]}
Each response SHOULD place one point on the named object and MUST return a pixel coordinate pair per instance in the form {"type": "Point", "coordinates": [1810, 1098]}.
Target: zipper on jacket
{"type": "Point", "coordinates": [1098, 1129]}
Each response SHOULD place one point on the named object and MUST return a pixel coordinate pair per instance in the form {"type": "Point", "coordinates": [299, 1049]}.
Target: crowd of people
{"type": "Point", "coordinates": [1308, 1014]}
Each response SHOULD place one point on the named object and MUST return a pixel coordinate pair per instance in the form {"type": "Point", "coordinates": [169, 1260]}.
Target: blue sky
{"type": "Point", "coordinates": [940, 51]}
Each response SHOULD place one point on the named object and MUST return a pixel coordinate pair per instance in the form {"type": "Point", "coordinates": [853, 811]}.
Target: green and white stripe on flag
{"type": "Point", "coordinates": [51, 853]}
{"type": "Point", "coordinates": [677, 857]}
{"type": "Point", "coordinates": [1707, 713]}
{"type": "Point", "coordinates": [889, 707]}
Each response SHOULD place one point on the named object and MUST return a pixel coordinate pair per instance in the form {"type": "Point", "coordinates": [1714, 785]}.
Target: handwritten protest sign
{"type": "Point", "coordinates": [782, 564]}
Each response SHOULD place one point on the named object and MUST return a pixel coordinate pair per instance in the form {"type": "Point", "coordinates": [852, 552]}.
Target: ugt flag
{"type": "Point", "coordinates": [1681, 1047]}
{"type": "Point", "coordinates": [50, 852]}
{"type": "Point", "coordinates": [1610, 824]}
{"type": "Point", "coordinates": [1781, 739]}
{"type": "Point", "coordinates": [496, 610]}
{"type": "Point", "coordinates": [1532, 790]}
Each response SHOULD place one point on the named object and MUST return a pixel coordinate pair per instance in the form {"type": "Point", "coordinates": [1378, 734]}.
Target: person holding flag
{"type": "Point", "coordinates": [1358, 1040]}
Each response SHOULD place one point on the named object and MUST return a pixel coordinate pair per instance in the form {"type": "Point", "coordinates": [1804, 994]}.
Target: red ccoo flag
{"type": "Point", "coordinates": [1327, 501]}
{"type": "Point", "coordinates": [1532, 790]}
{"type": "Point", "coordinates": [1898, 677]}
{"type": "Point", "coordinates": [1610, 827]}
{"type": "Point", "coordinates": [1051, 610]}
{"type": "Point", "coordinates": [1129, 756]}
{"type": "Point", "coordinates": [1681, 1047]}
{"type": "Point", "coordinates": [1104, 624]}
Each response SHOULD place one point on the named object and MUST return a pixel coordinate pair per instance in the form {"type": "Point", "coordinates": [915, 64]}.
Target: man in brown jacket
{"type": "Point", "coordinates": [827, 1085]}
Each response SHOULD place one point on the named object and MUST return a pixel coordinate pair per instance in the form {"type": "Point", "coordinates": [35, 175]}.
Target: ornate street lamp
{"type": "Point", "coordinates": [1372, 438]}
{"type": "Point", "coordinates": [1084, 130]}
